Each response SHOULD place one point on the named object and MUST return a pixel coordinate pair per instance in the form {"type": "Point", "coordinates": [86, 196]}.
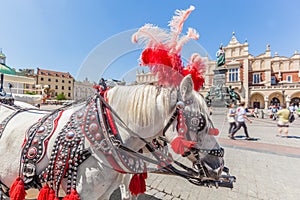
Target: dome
{"type": "Point", "coordinates": [2, 55]}
{"type": "Point", "coordinates": [6, 70]}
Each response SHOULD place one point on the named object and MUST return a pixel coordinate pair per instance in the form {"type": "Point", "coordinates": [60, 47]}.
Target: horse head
{"type": "Point", "coordinates": [176, 116]}
{"type": "Point", "coordinates": [195, 126]}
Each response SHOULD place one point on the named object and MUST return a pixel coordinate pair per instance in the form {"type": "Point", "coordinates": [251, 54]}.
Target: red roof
{"type": "Point", "coordinates": [53, 73]}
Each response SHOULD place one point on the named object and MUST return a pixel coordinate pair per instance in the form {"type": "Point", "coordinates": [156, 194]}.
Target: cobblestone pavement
{"type": "Point", "coordinates": [265, 168]}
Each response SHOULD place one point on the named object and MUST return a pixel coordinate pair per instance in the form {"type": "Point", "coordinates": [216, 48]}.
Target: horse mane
{"type": "Point", "coordinates": [140, 104]}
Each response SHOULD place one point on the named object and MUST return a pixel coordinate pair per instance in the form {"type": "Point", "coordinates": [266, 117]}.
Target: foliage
{"type": "Point", "coordinates": [61, 96]}
{"type": "Point", "coordinates": [30, 93]}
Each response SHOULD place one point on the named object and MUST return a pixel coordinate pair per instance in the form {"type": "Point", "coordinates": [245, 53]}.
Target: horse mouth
{"type": "Point", "coordinates": [213, 172]}
{"type": "Point", "coordinates": [214, 176]}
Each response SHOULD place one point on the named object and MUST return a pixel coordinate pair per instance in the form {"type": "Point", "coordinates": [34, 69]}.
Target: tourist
{"type": "Point", "coordinates": [102, 84]}
{"type": "Point", "coordinates": [240, 118]}
{"type": "Point", "coordinates": [255, 112]}
{"type": "Point", "coordinates": [231, 117]}
{"type": "Point", "coordinates": [292, 108]}
{"type": "Point", "coordinates": [274, 111]}
{"type": "Point", "coordinates": [283, 121]}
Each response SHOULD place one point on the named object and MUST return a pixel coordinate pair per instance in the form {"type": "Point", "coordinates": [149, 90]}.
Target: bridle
{"type": "Point", "coordinates": [192, 123]}
{"type": "Point", "coordinates": [199, 177]}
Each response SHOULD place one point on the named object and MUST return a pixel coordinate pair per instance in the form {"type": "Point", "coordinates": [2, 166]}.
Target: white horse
{"type": "Point", "coordinates": [144, 109]}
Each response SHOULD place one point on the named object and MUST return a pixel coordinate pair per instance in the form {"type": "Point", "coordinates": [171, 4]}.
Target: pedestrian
{"type": "Point", "coordinates": [262, 113]}
{"type": "Point", "coordinates": [102, 87]}
{"type": "Point", "coordinates": [283, 121]}
{"type": "Point", "coordinates": [255, 112]}
{"type": "Point", "coordinates": [274, 111]}
{"type": "Point", "coordinates": [231, 117]}
{"type": "Point", "coordinates": [240, 119]}
{"type": "Point", "coordinates": [102, 84]}
{"type": "Point", "coordinates": [292, 108]}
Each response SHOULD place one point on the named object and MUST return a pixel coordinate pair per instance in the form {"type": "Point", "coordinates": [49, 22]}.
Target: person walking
{"type": "Point", "coordinates": [240, 118]}
{"type": "Point", "coordinates": [283, 121]}
{"type": "Point", "coordinates": [231, 117]}
{"type": "Point", "coordinates": [255, 112]}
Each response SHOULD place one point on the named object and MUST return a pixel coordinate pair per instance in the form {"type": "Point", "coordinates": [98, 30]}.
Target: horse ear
{"type": "Point", "coordinates": [186, 87]}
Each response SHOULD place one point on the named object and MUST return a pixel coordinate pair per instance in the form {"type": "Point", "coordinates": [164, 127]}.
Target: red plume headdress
{"type": "Point", "coordinates": [162, 51]}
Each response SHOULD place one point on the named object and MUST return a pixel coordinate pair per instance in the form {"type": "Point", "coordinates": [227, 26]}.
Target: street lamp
{"type": "Point", "coordinates": [283, 91]}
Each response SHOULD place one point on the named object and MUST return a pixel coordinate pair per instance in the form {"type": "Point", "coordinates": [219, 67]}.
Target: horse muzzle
{"type": "Point", "coordinates": [212, 172]}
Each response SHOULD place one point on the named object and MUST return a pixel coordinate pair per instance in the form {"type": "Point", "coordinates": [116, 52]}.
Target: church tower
{"type": "Point", "coordinates": [2, 57]}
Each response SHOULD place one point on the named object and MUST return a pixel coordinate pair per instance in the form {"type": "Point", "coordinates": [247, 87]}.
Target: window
{"type": "Point", "coordinates": [69, 88]}
{"type": "Point", "coordinates": [49, 79]}
{"type": "Point", "coordinates": [62, 87]}
{"type": "Point", "coordinates": [56, 87]}
{"type": "Point", "coordinates": [273, 80]}
{"type": "Point", "coordinates": [62, 81]}
{"type": "Point", "coordinates": [42, 78]}
{"type": "Point", "coordinates": [256, 78]}
{"type": "Point", "coordinates": [233, 75]}
{"type": "Point", "coordinates": [69, 81]}
{"type": "Point", "coordinates": [69, 94]}
{"type": "Point", "coordinates": [289, 79]}
{"type": "Point", "coordinates": [56, 80]}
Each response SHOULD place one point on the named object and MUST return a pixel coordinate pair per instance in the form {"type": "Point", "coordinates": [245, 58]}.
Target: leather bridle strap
{"type": "Point", "coordinates": [171, 120]}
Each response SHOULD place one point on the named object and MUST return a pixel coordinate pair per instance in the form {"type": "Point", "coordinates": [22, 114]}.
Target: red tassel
{"type": "Point", "coordinates": [15, 183]}
{"type": "Point", "coordinates": [44, 193]}
{"type": "Point", "coordinates": [17, 191]}
{"type": "Point", "coordinates": [138, 184]}
{"type": "Point", "coordinates": [74, 195]}
{"type": "Point", "coordinates": [51, 195]}
{"type": "Point", "coordinates": [67, 197]}
{"type": "Point", "coordinates": [179, 144]}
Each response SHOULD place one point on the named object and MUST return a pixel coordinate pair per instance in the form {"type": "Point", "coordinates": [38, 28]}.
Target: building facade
{"type": "Point", "coordinates": [260, 81]}
{"type": "Point", "coordinates": [83, 89]}
{"type": "Point", "coordinates": [56, 83]}
{"type": "Point", "coordinates": [20, 86]}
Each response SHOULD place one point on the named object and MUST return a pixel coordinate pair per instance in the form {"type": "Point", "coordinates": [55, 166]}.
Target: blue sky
{"type": "Point", "coordinates": [62, 35]}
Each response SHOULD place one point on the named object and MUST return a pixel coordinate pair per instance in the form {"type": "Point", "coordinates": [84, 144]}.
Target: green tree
{"type": "Point", "coordinates": [61, 96]}
{"type": "Point", "coordinates": [31, 93]}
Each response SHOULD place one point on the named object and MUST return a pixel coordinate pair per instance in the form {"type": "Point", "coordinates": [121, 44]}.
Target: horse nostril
{"type": "Point", "coordinates": [218, 171]}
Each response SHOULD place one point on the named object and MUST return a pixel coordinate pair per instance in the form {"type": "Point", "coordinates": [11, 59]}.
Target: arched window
{"type": "Point", "coordinates": [275, 101]}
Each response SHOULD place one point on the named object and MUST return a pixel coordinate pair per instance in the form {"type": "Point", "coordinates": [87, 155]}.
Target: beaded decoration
{"type": "Point", "coordinates": [68, 152]}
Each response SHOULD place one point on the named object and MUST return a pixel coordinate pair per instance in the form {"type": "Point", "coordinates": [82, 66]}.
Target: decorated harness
{"type": "Point", "coordinates": [96, 122]}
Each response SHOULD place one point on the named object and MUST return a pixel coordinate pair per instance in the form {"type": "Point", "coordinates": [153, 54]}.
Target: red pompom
{"type": "Point", "coordinates": [213, 131]}
{"type": "Point", "coordinates": [44, 193]}
{"type": "Point", "coordinates": [179, 144]}
{"type": "Point", "coordinates": [51, 195]}
{"type": "Point", "coordinates": [138, 184]}
{"type": "Point", "coordinates": [17, 191]}
{"type": "Point", "coordinates": [167, 66]}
